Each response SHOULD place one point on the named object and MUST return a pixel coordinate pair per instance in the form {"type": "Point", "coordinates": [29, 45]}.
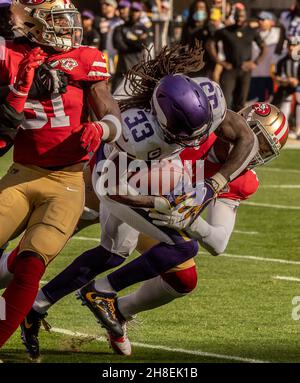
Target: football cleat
{"type": "Point", "coordinates": [103, 306]}
{"type": "Point", "coordinates": [121, 345]}
{"type": "Point", "coordinates": [30, 328]}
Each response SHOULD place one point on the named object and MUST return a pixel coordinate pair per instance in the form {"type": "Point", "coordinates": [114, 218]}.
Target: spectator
{"type": "Point", "coordinates": [106, 24]}
{"type": "Point", "coordinates": [124, 9]}
{"type": "Point", "coordinates": [197, 28]}
{"type": "Point", "coordinates": [291, 20]}
{"type": "Point", "coordinates": [261, 88]}
{"type": "Point", "coordinates": [237, 42]}
{"type": "Point", "coordinates": [288, 79]}
{"type": "Point", "coordinates": [91, 37]}
{"type": "Point", "coordinates": [130, 39]}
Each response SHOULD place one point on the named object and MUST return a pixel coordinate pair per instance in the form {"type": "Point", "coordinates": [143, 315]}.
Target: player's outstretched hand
{"type": "Point", "coordinates": [92, 133]}
{"type": "Point", "coordinates": [179, 212]}
{"type": "Point", "coordinates": [27, 67]}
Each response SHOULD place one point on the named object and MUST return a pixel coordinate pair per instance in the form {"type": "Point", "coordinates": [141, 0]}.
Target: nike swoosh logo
{"type": "Point", "coordinates": [72, 190]}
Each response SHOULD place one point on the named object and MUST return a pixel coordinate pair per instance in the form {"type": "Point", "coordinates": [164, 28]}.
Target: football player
{"type": "Point", "coordinates": [213, 233]}
{"type": "Point", "coordinates": [42, 193]}
{"type": "Point", "coordinates": [164, 113]}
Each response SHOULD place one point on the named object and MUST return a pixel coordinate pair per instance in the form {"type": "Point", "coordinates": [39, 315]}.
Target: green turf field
{"type": "Point", "coordinates": [241, 310]}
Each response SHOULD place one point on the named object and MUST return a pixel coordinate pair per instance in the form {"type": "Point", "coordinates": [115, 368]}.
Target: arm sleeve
{"type": "Point", "coordinates": [215, 232]}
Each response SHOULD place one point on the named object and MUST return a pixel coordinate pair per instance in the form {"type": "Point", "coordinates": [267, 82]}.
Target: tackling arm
{"type": "Point", "coordinates": [214, 233]}
{"type": "Point", "coordinates": [106, 110]}
{"type": "Point", "coordinates": [235, 130]}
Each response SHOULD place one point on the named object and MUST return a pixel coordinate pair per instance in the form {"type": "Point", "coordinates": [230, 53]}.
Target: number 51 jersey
{"type": "Point", "coordinates": [143, 138]}
{"type": "Point", "coordinates": [46, 137]}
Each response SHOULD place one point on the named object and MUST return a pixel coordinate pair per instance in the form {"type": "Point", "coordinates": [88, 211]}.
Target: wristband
{"type": "Point", "coordinates": [218, 182]}
{"type": "Point", "coordinates": [112, 128]}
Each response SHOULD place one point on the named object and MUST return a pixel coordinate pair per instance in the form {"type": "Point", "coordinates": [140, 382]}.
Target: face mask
{"type": "Point", "coordinates": [199, 16]}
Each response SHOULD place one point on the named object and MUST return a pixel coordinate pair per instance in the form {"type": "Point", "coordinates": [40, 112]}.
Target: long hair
{"type": "Point", "coordinates": [141, 80]}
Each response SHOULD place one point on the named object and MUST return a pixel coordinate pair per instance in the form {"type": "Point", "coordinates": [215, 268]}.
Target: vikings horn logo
{"type": "Point", "coordinates": [262, 109]}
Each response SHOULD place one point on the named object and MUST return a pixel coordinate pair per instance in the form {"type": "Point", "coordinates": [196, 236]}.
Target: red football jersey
{"type": "Point", "coordinates": [241, 188]}
{"type": "Point", "coordinates": [199, 152]}
{"type": "Point", "coordinates": [46, 137]}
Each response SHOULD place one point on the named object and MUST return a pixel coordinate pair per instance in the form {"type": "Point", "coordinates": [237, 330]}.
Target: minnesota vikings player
{"type": "Point", "coordinates": [170, 109]}
{"type": "Point", "coordinates": [271, 128]}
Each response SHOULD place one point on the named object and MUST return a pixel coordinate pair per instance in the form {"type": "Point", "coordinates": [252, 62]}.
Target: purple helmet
{"type": "Point", "coordinates": [182, 110]}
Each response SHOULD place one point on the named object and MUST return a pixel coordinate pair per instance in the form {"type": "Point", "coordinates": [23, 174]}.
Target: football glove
{"type": "Point", "coordinates": [19, 91]}
{"type": "Point", "coordinates": [48, 81]}
{"type": "Point", "coordinates": [180, 212]}
{"type": "Point", "coordinates": [92, 133]}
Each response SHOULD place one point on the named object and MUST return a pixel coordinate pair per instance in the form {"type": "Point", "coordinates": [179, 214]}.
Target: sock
{"type": "Point", "coordinates": [104, 285]}
{"type": "Point", "coordinates": [5, 275]}
{"type": "Point", "coordinates": [157, 260]}
{"type": "Point", "coordinates": [41, 303]}
{"type": "Point", "coordinates": [81, 271]}
{"type": "Point", "coordinates": [152, 293]}
{"type": "Point", "coordinates": [6, 267]}
{"type": "Point", "coordinates": [21, 292]}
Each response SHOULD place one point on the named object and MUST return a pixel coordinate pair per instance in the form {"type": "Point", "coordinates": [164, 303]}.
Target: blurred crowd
{"type": "Point", "coordinates": [255, 57]}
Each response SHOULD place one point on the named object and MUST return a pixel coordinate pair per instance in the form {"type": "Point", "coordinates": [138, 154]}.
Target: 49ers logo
{"type": "Point", "coordinates": [262, 109]}
{"type": "Point", "coordinates": [32, 2]}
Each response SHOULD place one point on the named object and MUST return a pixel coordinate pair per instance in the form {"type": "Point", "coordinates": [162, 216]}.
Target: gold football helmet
{"type": "Point", "coordinates": [270, 126]}
{"type": "Point", "coordinates": [55, 23]}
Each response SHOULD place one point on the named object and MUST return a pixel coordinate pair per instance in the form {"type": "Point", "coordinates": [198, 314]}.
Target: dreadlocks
{"type": "Point", "coordinates": [143, 77]}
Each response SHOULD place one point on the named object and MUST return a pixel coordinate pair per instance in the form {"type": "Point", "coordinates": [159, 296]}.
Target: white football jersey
{"type": "Point", "coordinates": [216, 98]}
{"type": "Point", "coordinates": [142, 137]}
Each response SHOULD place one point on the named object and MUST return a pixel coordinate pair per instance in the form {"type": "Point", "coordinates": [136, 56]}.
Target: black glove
{"type": "Point", "coordinates": [48, 81]}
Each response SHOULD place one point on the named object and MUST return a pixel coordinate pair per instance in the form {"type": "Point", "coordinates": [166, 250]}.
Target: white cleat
{"type": "Point", "coordinates": [121, 346]}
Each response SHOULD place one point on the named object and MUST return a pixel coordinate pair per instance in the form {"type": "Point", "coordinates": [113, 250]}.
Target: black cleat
{"type": "Point", "coordinates": [30, 328]}
{"type": "Point", "coordinates": [103, 306]}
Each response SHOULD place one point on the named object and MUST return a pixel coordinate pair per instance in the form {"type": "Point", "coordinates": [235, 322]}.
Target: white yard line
{"type": "Point", "coordinates": [246, 232]}
{"type": "Point", "coordinates": [163, 348]}
{"type": "Point", "coordinates": [258, 204]}
{"type": "Point", "coordinates": [86, 239]}
{"type": "Point", "coordinates": [280, 186]}
{"type": "Point", "coordinates": [289, 279]}
{"type": "Point", "coordinates": [261, 259]}
{"type": "Point", "coordinates": [279, 170]}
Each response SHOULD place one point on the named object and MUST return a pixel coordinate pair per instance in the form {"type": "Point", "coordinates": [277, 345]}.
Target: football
{"type": "Point", "coordinates": [161, 178]}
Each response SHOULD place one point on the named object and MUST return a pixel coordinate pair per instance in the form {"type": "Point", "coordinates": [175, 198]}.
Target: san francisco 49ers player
{"type": "Point", "coordinates": [42, 193]}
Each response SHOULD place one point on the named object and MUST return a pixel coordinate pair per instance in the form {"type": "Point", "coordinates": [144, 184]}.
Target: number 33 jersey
{"type": "Point", "coordinates": [46, 137]}
{"type": "Point", "coordinates": [142, 136]}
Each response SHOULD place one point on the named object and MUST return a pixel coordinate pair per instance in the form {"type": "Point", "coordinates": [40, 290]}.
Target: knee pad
{"type": "Point", "coordinates": [45, 240]}
{"type": "Point", "coordinates": [183, 281]}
